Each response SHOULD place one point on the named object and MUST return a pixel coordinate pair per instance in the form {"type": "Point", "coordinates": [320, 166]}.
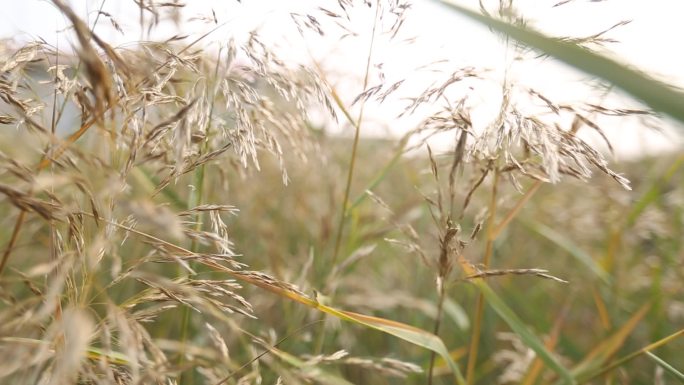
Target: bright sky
{"type": "Point", "coordinates": [649, 42]}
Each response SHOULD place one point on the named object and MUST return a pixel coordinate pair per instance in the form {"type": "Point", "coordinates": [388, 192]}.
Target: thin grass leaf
{"type": "Point", "coordinates": [659, 96]}
{"type": "Point", "coordinates": [517, 325]}
{"type": "Point", "coordinates": [382, 173]}
{"type": "Point", "coordinates": [403, 331]}
{"type": "Point", "coordinates": [149, 182]}
{"type": "Point", "coordinates": [457, 313]}
{"type": "Point", "coordinates": [111, 357]}
{"type": "Point", "coordinates": [668, 368]}
{"type": "Point", "coordinates": [416, 336]}
{"type": "Point", "coordinates": [441, 368]}
{"type": "Point", "coordinates": [572, 249]}
{"type": "Point", "coordinates": [602, 309]}
{"type": "Point", "coordinates": [631, 356]}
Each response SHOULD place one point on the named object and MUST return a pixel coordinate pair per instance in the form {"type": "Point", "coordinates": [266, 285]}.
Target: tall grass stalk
{"type": "Point", "coordinates": [479, 302]}
{"type": "Point", "coordinates": [357, 134]}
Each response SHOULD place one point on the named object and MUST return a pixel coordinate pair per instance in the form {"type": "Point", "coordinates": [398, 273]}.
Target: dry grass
{"type": "Point", "coordinates": [167, 211]}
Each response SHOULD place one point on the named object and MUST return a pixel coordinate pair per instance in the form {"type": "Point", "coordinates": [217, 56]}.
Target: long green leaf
{"type": "Point", "coordinates": [518, 326]}
{"type": "Point", "coordinates": [659, 96]}
{"type": "Point", "coordinates": [527, 337]}
{"type": "Point", "coordinates": [571, 247]}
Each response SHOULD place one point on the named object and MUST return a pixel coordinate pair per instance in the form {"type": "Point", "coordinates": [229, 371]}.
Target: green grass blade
{"type": "Point", "coordinates": [92, 353]}
{"type": "Point", "coordinates": [572, 249]}
{"type": "Point", "coordinates": [405, 332]}
{"type": "Point", "coordinates": [382, 173]}
{"type": "Point", "coordinates": [668, 368]}
{"type": "Point", "coordinates": [527, 337]}
{"type": "Point", "coordinates": [457, 314]}
{"type": "Point", "coordinates": [518, 327]}
{"type": "Point", "coordinates": [657, 95]}
{"type": "Point", "coordinates": [149, 182]}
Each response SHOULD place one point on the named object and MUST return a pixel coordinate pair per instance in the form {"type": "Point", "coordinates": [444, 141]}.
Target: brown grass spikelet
{"type": "Point", "coordinates": [98, 75]}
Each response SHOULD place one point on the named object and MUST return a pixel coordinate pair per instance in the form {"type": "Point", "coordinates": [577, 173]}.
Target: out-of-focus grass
{"type": "Point", "coordinates": [395, 285]}
{"type": "Point", "coordinates": [159, 244]}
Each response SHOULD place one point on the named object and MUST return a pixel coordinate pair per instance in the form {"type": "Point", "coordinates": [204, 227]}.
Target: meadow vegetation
{"type": "Point", "coordinates": [174, 216]}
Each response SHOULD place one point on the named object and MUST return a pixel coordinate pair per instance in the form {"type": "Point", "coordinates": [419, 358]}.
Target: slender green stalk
{"type": "Point", "coordinates": [382, 173]}
{"type": "Point", "coordinates": [195, 199]}
{"type": "Point", "coordinates": [352, 164]}
{"type": "Point", "coordinates": [435, 331]}
{"type": "Point", "coordinates": [352, 161]}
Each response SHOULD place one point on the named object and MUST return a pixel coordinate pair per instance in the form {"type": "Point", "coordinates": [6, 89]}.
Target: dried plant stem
{"type": "Point", "coordinates": [511, 214]}
{"type": "Point", "coordinates": [479, 307]}
{"type": "Point", "coordinates": [13, 240]}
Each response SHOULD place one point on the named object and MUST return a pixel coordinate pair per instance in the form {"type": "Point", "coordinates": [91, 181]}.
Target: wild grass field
{"type": "Point", "coordinates": [172, 214]}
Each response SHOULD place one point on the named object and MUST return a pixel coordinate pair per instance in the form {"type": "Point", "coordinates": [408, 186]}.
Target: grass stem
{"type": "Point", "coordinates": [479, 306]}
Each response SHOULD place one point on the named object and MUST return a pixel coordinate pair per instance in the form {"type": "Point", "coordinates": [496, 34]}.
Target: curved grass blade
{"type": "Point", "coordinates": [517, 325]}
{"type": "Point", "coordinates": [94, 353]}
{"type": "Point", "coordinates": [657, 95]}
{"type": "Point", "coordinates": [416, 336]}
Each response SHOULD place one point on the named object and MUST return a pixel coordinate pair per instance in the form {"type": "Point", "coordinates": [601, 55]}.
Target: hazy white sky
{"type": "Point", "coordinates": [649, 42]}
